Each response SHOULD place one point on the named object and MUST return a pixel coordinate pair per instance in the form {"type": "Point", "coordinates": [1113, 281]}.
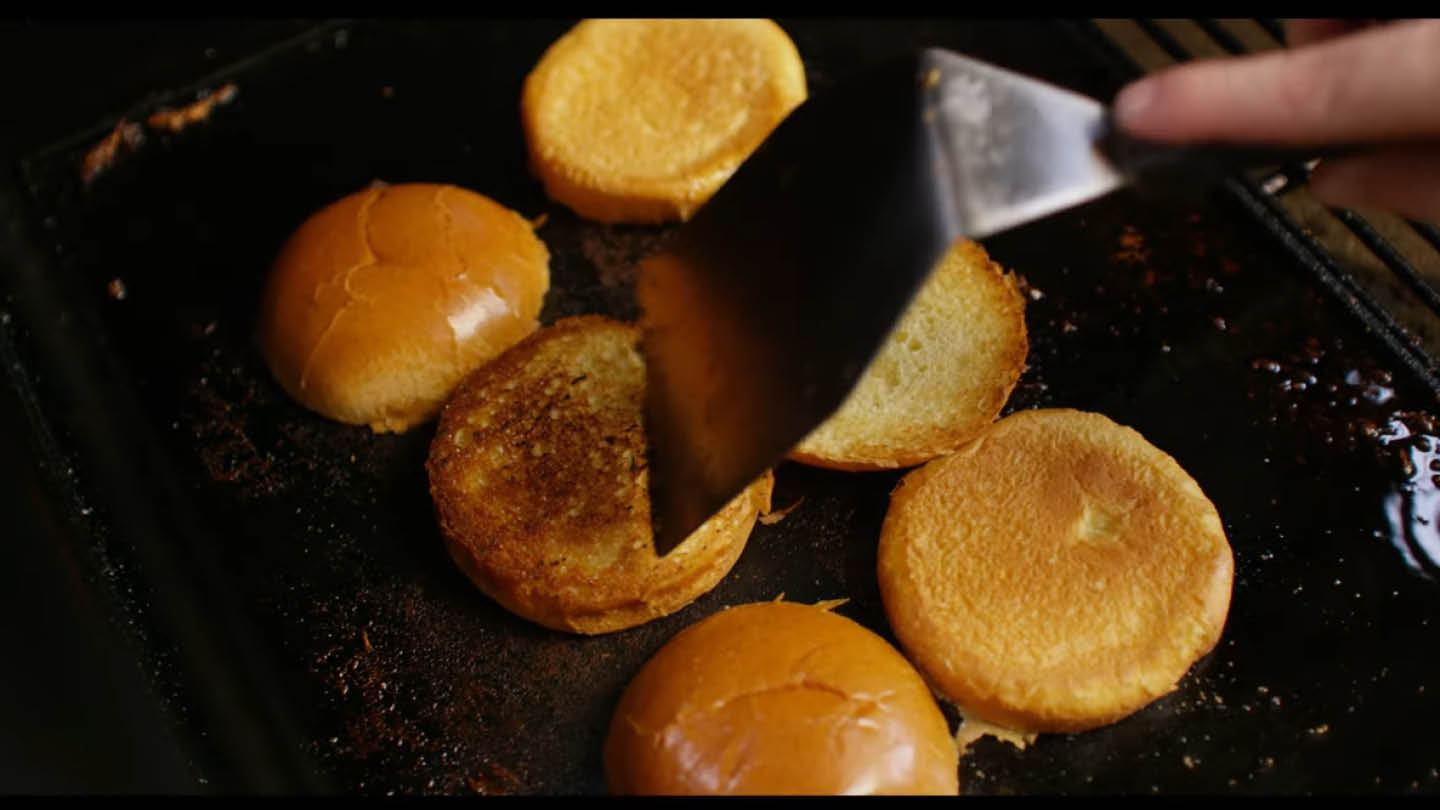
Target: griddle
{"type": "Point", "coordinates": [279, 580]}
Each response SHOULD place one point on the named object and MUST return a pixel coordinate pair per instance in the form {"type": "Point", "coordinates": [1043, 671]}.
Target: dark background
{"type": "Point", "coordinates": [76, 714]}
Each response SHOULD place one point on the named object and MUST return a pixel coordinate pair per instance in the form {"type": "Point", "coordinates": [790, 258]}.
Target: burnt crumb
{"type": "Point", "coordinates": [1131, 248]}
{"type": "Point", "coordinates": [200, 325]}
{"type": "Point", "coordinates": [1265, 364]}
{"type": "Point", "coordinates": [498, 781]}
{"type": "Point", "coordinates": [126, 136]}
{"type": "Point", "coordinates": [410, 713]}
{"type": "Point", "coordinates": [1031, 392]}
{"type": "Point", "coordinates": [241, 441]}
{"type": "Point", "coordinates": [176, 119]}
{"type": "Point", "coordinates": [616, 253]}
{"type": "Point", "coordinates": [1028, 290]}
{"type": "Point", "coordinates": [1331, 396]}
{"type": "Point", "coordinates": [225, 448]}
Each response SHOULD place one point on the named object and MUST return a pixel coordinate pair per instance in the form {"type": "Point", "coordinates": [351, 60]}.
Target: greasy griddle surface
{"type": "Point", "coordinates": [1190, 325]}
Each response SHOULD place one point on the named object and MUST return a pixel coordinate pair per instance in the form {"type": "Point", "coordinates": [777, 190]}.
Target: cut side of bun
{"type": "Point", "coordinates": [779, 698]}
{"type": "Point", "coordinates": [1056, 574]}
{"type": "Point", "coordinates": [641, 121]}
{"type": "Point", "coordinates": [382, 301]}
{"type": "Point", "coordinates": [538, 474]}
{"type": "Point", "coordinates": [945, 373]}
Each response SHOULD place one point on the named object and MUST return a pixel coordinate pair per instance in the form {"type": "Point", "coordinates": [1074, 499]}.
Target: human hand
{"type": "Point", "coordinates": [1342, 82]}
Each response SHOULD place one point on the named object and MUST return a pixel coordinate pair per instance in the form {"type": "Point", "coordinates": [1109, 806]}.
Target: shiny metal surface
{"type": "Point", "coordinates": [1012, 149]}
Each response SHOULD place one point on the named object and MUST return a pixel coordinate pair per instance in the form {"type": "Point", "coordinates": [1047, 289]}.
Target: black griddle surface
{"type": "Point", "coordinates": [395, 675]}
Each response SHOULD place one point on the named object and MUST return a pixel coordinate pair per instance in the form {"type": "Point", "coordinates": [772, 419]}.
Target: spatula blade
{"type": "Point", "coordinates": [762, 315]}
{"type": "Point", "coordinates": [1014, 149]}
{"type": "Point", "coordinates": [765, 310]}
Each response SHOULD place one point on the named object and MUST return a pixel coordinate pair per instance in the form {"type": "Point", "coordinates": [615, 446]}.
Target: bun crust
{"type": "Point", "coordinates": [1056, 574]}
{"type": "Point", "coordinates": [778, 697]}
{"type": "Point", "coordinates": [641, 121]}
{"type": "Point", "coordinates": [944, 374]}
{"type": "Point", "coordinates": [538, 473]}
{"type": "Point", "coordinates": [382, 301]}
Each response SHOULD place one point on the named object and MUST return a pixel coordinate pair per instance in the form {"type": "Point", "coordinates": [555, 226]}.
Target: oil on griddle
{"type": "Point", "coordinates": [1190, 325]}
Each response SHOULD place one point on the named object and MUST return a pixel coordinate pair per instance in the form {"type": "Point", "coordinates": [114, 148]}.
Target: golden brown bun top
{"type": "Point", "coordinates": [539, 475]}
{"type": "Point", "coordinates": [641, 120]}
{"type": "Point", "coordinates": [380, 302]}
{"type": "Point", "coordinates": [778, 697]}
{"type": "Point", "coordinates": [1055, 574]}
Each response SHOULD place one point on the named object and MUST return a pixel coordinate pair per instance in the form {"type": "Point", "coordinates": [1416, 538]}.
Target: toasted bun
{"type": "Point", "coordinates": [538, 473]}
{"type": "Point", "coordinates": [641, 121]}
{"type": "Point", "coordinates": [381, 302]}
{"type": "Point", "coordinates": [1056, 574]}
{"type": "Point", "coordinates": [945, 373]}
{"type": "Point", "coordinates": [775, 698]}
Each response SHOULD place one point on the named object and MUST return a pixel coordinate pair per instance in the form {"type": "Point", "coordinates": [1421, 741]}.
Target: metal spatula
{"type": "Point", "coordinates": [767, 308]}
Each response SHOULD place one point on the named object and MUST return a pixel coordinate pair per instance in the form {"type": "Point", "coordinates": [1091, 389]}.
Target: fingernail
{"type": "Point", "coordinates": [1133, 101]}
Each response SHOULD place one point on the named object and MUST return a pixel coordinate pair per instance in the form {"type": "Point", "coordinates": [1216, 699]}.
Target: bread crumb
{"type": "Point", "coordinates": [1132, 248]}
{"type": "Point", "coordinates": [175, 120]}
{"type": "Point", "coordinates": [972, 730]}
{"type": "Point", "coordinates": [126, 134]}
{"type": "Point", "coordinates": [778, 515]}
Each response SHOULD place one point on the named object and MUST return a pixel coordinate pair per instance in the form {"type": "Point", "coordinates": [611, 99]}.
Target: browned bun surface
{"type": "Point", "coordinates": [779, 698]}
{"type": "Point", "coordinates": [1056, 574]}
{"type": "Point", "coordinates": [538, 473]}
{"type": "Point", "coordinates": [380, 302]}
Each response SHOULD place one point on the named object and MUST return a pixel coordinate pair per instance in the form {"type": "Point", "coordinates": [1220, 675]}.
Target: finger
{"type": "Point", "coordinates": [1304, 32]}
{"type": "Point", "coordinates": [1380, 83]}
{"type": "Point", "coordinates": [1403, 181]}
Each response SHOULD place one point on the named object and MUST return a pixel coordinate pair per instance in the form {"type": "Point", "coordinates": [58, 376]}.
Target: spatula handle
{"type": "Point", "coordinates": [1147, 163]}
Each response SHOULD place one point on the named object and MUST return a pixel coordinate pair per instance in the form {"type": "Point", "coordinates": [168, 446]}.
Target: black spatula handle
{"type": "Point", "coordinates": [1151, 164]}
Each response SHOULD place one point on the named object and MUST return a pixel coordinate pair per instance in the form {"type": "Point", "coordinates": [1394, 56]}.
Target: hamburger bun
{"type": "Point", "coordinates": [641, 121]}
{"type": "Point", "coordinates": [381, 301]}
{"type": "Point", "coordinates": [538, 473]}
{"type": "Point", "coordinates": [944, 373]}
{"type": "Point", "coordinates": [1056, 574]}
{"type": "Point", "coordinates": [778, 697]}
